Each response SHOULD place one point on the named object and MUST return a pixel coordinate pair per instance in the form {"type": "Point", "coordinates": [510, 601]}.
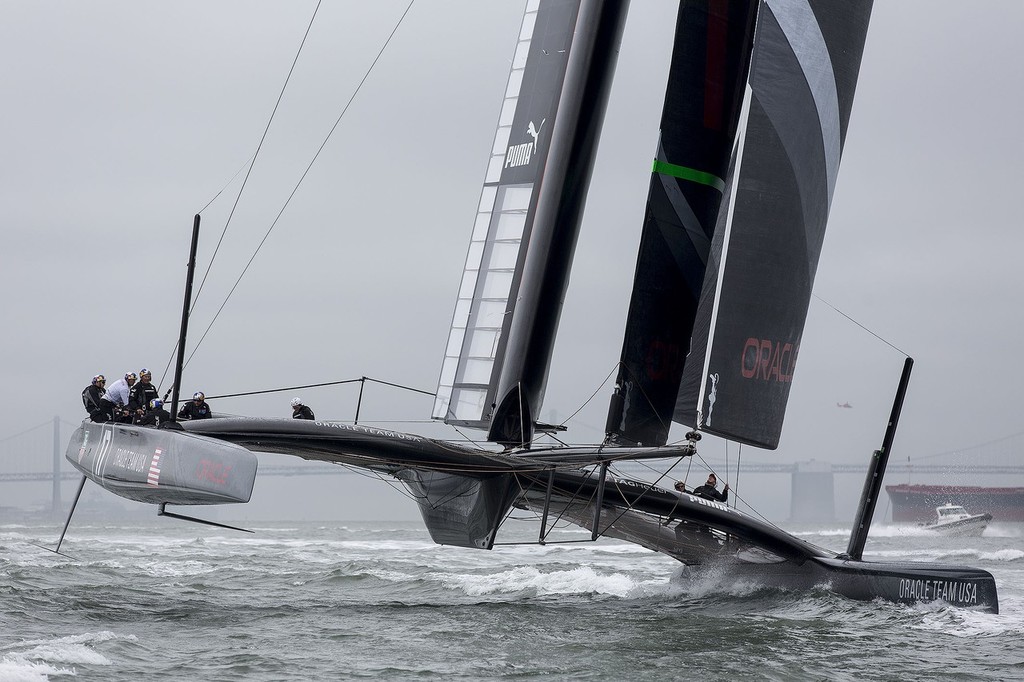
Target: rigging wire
{"type": "Point", "coordinates": [585, 402]}
{"type": "Point", "coordinates": [727, 469]}
{"type": "Point", "coordinates": [251, 162]}
{"type": "Point", "coordinates": [736, 482]}
{"type": "Point", "coordinates": [248, 161]}
{"type": "Point", "coordinates": [299, 183]}
{"type": "Point", "coordinates": [319, 385]}
{"type": "Point", "coordinates": [174, 350]}
{"type": "Point", "coordinates": [970, 447]}
{"type": "Point", "coordinates": [48, 422]}
{"type": "Point", "coordinates": [640, 387]}
{"type": "Point", "coordinates": [259, 147]}
{"type": "Point", "coordinates": [629, 505]}
{"type": "Point", "coordinates": [894, 347]}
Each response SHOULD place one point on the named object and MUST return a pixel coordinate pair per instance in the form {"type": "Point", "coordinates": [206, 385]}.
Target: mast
{"type": "Point", "coordinates": [184, 318]}
{"type": "Point", "coordinates": [564, 183]}
{"type": "Point", "coordinates": [876, 471]}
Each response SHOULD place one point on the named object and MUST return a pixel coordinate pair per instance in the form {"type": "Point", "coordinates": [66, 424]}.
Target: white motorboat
{"type": "Point", "coordinates": [954, 520]}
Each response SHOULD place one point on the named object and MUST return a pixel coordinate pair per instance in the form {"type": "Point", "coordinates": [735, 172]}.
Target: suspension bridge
{"type": "Point", "coordinates": [32, 458]}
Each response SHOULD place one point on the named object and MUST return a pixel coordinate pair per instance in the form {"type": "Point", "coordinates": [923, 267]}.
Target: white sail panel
{"type": "Point", "coordinates": [488, 278]}
{"type": "Point", "coordinates": [483, 297]}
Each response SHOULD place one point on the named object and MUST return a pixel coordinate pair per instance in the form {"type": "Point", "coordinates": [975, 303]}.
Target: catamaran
{"type": "Point", "coordinates": [756, 110]}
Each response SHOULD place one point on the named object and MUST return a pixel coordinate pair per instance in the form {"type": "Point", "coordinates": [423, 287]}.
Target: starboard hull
{"type": "Point", "coordinates": [737, 549]}
{"type": "Point", "coordinates": [905, 582]}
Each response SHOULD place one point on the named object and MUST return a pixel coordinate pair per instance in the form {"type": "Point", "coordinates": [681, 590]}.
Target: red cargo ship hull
{"type": "Point", "coordinates": [917, 503]}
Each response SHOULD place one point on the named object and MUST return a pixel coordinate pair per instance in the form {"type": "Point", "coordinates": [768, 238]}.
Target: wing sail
{"type": "Point", "coordinates": [498, 353]}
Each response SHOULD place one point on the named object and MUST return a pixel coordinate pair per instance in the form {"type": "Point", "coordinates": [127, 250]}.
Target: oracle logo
{"type": "Point", "coordinates": [768, 360]}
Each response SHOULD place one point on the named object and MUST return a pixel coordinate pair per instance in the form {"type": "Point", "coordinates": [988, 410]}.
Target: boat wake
{"type": "Point", "coordinates": [38, 659]}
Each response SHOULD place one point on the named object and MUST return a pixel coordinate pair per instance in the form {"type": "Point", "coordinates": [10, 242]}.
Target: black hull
{"type": "Point", "coordinates": [906, 583]}
{"type": "Point", "coordinates": [465, 495]}
{"type": "Point", "coordinates": [730, 555]}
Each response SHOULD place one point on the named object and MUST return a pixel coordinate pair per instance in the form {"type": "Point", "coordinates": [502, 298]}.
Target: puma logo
{"type": "Point", "coordinates": [520, 154]}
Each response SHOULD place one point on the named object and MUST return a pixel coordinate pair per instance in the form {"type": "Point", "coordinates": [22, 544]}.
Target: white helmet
{"type": "Point", "coordinates": [296, 402]}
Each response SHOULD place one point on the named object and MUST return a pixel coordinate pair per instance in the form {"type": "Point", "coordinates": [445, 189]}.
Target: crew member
{"type": "Point", "coordinates": [300, 411]}
{"type": "Point", "coordinates": [196, 409]}
{"type": "Point", "coordinates": [156, 415]}
{"type": "Point", "coordinates": [92, 398]}
{"type": "Point", "coordinates": [115, 401]}
{"type": "Point", "coordinates": [709, 491]}
{"type": "Point", "coordinates": [142, 394]}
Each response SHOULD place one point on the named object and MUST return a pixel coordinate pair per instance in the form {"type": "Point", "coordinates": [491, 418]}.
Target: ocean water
{"type": "Point", "coordinates": [168, 600]}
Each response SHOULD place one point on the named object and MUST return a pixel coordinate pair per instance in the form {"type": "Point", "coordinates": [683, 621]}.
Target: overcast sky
{"type": "Point", "coordinates": [120, 120]}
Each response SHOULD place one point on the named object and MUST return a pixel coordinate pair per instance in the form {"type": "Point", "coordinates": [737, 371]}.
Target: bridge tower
{"type": "Point", "coordinates": [812, 494]}
{"type": "Point", "coordinates": [56, 506]}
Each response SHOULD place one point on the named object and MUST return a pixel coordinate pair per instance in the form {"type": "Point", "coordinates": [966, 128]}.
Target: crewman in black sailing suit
{"type": "Point", "coordinates": [142, 394]}
{"type": "Point", "coordinates": [197, 409]}
{"type": "Point", "coordinates": [709, 491]}
{"type": "Point", "coordinates": [91, 397]}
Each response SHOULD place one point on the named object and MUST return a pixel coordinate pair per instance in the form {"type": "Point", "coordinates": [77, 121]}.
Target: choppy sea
{"type": "Point", "coordinates": [168, 600]}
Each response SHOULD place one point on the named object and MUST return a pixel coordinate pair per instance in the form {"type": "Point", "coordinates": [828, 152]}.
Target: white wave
{"type": "Point", "coordinates": [176, 569]}
{"type": "Point", "coordinates": [943, 554]}
{"type": "Point", "coordinates": [393, 576]}
{"type": "Point", "coordinates": [1002, 555]}
{"type": "Point", "coordinates": [999, 530]}
{"type": "Point", "coordinates": [827, 532]}
{"type": "Point", "coordinates": [970, 623]}
{"type": "Point", "coordinates": [712, 581]}
{"type": "Point", "coordinates": [16, 669]}
{"type": "Point", "coordinates": [894, 530]}
{"type": "Point", "coordinates": [922, 555]}
{"type": "Point", "coordinates": [580, 580]}
{"type": "Point", "coordinates": [37, 657]}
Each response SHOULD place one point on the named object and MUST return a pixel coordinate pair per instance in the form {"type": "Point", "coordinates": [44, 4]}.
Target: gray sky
{"type": "Point", "coordinates": [121, 119]}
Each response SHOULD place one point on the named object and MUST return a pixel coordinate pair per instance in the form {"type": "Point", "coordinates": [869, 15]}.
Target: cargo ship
{"type": "Point", "coordinates": [917, 503]}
